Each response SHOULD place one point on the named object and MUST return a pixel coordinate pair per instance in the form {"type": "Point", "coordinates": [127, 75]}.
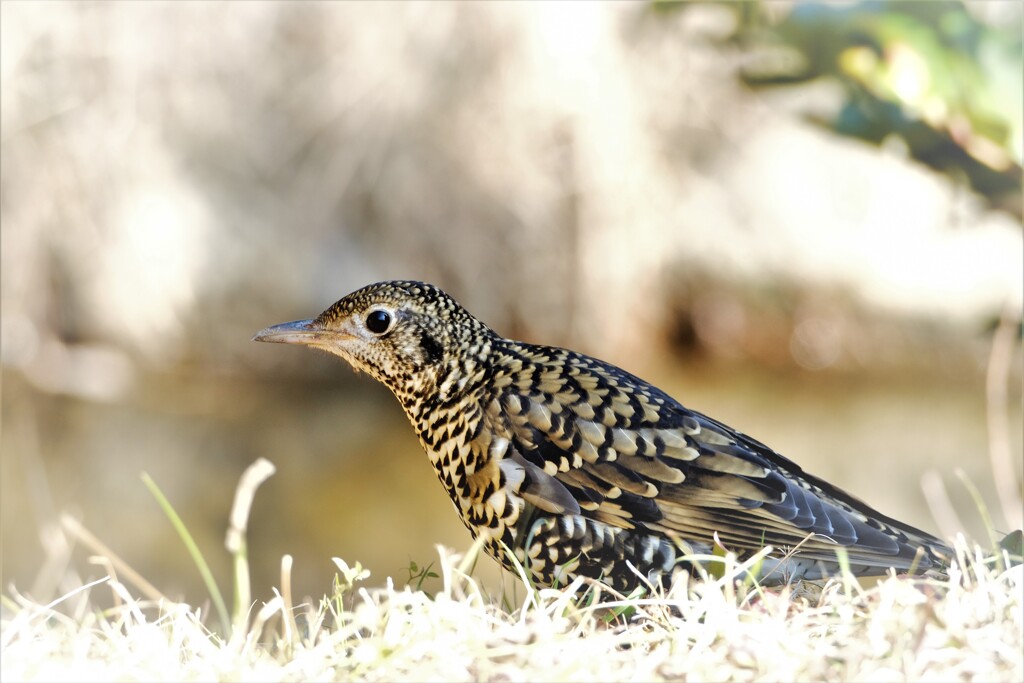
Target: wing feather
{"type": "Point", "coordinates": [633, 456]}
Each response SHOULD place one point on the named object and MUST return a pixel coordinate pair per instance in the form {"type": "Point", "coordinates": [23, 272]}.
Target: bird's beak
{"type": "Point", "coordinates": [296, 332]}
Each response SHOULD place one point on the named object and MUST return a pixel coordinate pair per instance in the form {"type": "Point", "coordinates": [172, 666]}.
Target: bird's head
{"type": "Point", "coordinates": [410, 336]}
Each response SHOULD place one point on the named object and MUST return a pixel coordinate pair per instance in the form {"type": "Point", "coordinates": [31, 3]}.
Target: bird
{"type": "Point", "coordinates": [569, 466]}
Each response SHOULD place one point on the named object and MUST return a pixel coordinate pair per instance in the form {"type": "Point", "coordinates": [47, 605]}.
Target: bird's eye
{"type": "Point", "coordinates": [378, 322]}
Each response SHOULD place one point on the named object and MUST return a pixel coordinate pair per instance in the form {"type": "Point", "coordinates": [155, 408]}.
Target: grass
{"type": "Point", "coordinates": [967, 626]}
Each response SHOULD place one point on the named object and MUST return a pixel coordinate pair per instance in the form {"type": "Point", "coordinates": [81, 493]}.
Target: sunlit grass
{"type": "Point", "coordinates": [967, 626]}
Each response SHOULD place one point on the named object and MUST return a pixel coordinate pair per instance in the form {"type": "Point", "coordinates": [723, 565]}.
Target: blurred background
{"type": "Point", "coordinates": [801, 219]}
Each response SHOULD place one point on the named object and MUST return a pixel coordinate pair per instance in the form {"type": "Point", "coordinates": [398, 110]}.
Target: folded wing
{"type": "Point", "coordinates": [632, 457]}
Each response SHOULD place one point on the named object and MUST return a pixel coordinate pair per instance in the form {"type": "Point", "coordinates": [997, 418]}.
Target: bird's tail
{"type": "Point", "coordinates": [1013, 546]}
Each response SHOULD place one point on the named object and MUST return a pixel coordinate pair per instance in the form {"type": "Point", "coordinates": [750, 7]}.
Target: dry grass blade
{"type": "Point", "coordinates": [254, 475]}
{"type": "Point", "coordinates": [89, 540]}
{"type": "Point", "coordinates": [1004, 344]}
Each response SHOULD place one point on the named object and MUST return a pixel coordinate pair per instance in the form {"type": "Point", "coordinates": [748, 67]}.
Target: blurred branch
{"type": "Point", "coordinates": [930, 73]}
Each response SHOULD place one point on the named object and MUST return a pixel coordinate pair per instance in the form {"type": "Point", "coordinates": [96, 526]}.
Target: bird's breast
{"type": "Point", "coordinates": [469, 461]}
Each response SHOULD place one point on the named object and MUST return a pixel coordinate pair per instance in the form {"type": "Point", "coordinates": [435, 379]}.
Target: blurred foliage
{"type": "Point", "coordinates": [934, 74]}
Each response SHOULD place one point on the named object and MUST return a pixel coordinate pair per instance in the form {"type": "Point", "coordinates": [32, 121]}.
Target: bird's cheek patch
{"type": "Point", "coordinates": [432, 349]}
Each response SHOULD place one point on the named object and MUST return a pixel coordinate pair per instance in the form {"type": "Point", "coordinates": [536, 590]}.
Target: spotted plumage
{"type": "Point", "coordinates": [580, 468]}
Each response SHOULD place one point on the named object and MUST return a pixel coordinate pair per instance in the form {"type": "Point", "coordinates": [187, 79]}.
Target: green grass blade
{"type": "Point", "coordinates": [193, 549]}
{"type": "Point", "coordinates": [979, 503]}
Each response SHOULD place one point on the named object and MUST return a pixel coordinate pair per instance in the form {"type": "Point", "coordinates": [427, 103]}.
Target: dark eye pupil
{"type": "Point", "coordinates": [378, 322]}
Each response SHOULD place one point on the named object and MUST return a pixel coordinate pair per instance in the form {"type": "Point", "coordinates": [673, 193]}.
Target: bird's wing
{"type": "Point", "coordinates": [628, 455]}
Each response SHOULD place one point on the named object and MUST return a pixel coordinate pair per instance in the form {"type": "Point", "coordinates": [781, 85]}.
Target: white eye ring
{"type": "Point", "coordinates": [378, 321]}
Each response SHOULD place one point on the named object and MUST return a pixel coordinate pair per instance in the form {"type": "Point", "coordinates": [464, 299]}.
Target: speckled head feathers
{"type": "Point", "coordinates": [409, 335]}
